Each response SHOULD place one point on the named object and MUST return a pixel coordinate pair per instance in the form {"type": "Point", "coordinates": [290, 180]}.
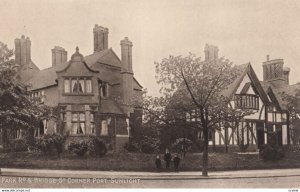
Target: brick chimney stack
{"type": "Point", "coordinates": [23, 51]}
{"type": "Point", "coordinates": [100, 38]}
{"type": "Point", "coordinates": [127, 73]}
{"type": "Point", "coordinates": [211, 52]}
{"type": "Point", "coordinates": [59, 56]}
{"type": "Point", "coordinates": [126, 52]}
{"type": "Point", "coordinates": [273, 72]}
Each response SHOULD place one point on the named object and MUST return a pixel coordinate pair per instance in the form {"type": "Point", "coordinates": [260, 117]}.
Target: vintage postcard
{"type": "Point", "coordinates": [173, 94]}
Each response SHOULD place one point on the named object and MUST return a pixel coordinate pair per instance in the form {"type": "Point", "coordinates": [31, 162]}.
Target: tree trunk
{"type": "Point", "coordinates": [226, 139]}
{"type": "Point", "coordinates": [205, 152]}
{"type": "Point", "coordinates": [205, 160]}
{"type": "Point", "coordinates": [4, 138]}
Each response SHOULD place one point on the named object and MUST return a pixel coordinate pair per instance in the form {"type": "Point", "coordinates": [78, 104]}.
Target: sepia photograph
{"type": "Point", "coordinates": [140, 94]}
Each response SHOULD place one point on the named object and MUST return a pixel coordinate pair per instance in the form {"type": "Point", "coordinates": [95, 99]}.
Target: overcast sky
{"type": "Point", "coordinates": [243, 30]}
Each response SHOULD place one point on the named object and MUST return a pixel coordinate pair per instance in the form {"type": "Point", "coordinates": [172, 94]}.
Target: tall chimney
{"type": "Point", "coordinates": [126, 52]}
{"type": "Point", "coordinates": [23, 51]}
{"type": "Point", "coordinates": [273, 72]}
{"type": "Point", "coordinates": [211, 52]}
{"type": "Point", "coordinates": [59, 56]}
{"type": "Point", "coordinates": [100, 38]}
{"type": "Point", "coordinates": [127, 73]}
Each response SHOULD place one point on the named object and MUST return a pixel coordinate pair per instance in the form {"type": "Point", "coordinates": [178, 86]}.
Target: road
{"type": "Point", "coordinates": [43, 178]}
{"type": "Point", "coordinates": [270, 182]}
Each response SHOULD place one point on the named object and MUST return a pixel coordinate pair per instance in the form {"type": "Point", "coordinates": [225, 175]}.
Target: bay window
{"type": "Point", "coordinates": [78, 123]}
{"type": "Point", "coordinates": [78, 85]}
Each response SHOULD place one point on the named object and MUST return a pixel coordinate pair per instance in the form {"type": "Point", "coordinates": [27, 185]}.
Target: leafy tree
{"type": "Point", "coordinates": [17, 109]}
{"type": "Point", "coordinates": [292, 103]}
{"type": "Point", "coordinates": [189, 84]}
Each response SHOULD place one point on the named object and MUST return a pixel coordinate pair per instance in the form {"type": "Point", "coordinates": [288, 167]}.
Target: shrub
{"type": "Point", "coordinates": [271, 153]}
{"type": "Point", "coordinates": [18, 145]}
{"type": "Point", "coordinates": [182, 145]}
{"type": "Point", "coordinates": [131, 146]}
{"type": "Point", "coordinates": [149, 145]}
{"type": "Point", "coordinates": [78, 147]}
{"type": "Point", "coordinates": [50, 142]}
{"type": "Point", "coordinates": [96, 147]}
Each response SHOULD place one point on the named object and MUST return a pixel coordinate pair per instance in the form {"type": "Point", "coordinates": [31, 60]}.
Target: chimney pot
{"type": "Point", "coordinates": [268, 57]}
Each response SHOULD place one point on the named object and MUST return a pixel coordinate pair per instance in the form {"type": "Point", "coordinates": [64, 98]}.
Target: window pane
{"type": "Point", "coordinates": [74, 86]}
{"type": "Point", "coordinates": [92, 117]}
{"type": "Point", "coordinates": [81, 86]}
{"type": "Point", "coordinates": [64, 117]}
{"type": "Point", "coordinates": [92, 128]}
{"type": "Point", "coordinates": [89, 86]}
{"type": "Point", "coordinates": [81, 129]}
{"type": "Point", "coordinates": [278, 117]}
{"type": "Point", "coordinates": [74, 128]}
{"type": "Point", "coordinates": [82, 117]}
{"type": "Point", "coordinates": [74, 117]}
{"type": "Point", "coordinates": [104, 90]}
{"type": "Point", "coordinates": [104, 128]}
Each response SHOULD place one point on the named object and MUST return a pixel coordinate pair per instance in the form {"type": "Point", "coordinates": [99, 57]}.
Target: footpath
{"type": "Point", "coordinates": [148, 175]}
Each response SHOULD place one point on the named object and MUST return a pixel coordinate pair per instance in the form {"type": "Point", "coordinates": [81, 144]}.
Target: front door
{"type": "Point", "coordinates": [260, 134]}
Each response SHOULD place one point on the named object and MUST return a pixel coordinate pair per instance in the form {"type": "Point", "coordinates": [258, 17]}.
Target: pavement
{"type": "Point", "coordinates": [149, 175]}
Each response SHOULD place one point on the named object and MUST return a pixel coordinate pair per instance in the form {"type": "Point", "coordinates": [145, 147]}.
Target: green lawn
{"type": "Point", "coordinates": [144, 162]}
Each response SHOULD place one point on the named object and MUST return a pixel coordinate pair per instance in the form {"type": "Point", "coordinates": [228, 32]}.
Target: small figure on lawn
{"type": "Point", "coordinates": [168, 158]}
{"type": "Point", "coordinates": [158, 163]}
{"type": "Point", "coordinates": [176, 162]}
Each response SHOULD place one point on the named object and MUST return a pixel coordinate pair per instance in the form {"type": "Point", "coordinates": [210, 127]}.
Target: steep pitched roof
{"type": "Point", "coordinates": [246, 69]}
{"type": "Point", "coordinates": [108, 57]}
{"type": "Point", "coordinates": [231, 89]}
{"type": "Point", "coordinates": [110, 106]}
{"type": "Point", "coordinates": [289, 90]}
{"type": "Point", "coordinates": [47, 77]}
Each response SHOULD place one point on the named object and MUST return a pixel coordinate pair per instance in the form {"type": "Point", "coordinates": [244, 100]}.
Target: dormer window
{"type": "Point", "coordinates": [78, 85]}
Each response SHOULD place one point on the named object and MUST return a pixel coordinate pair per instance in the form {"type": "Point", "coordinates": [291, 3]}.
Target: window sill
{"type": "Point", "coordinates": [81, 135]}
{"type": "Point", "coordinates": [77, 94]}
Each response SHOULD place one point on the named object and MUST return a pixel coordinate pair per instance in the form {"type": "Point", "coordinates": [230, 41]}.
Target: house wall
{"type": "Point", "coordinates": [51, 96]}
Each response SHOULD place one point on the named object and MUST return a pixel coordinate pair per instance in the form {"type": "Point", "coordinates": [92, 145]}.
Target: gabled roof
{"type": "Point", "coordinates": [47, 77]}
{"type": "Point", "coordinates": [245, 69]}
{"type": "Point", "coordinates": [231, 89]}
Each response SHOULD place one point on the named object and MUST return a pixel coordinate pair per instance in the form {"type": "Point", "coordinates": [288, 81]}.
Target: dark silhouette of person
{"type": "Point", "coordinates": [176, 162]}
{"type": "Point", "coordinates": [168, 158]}
{"type": "Point", "coordinates": [158, 163]}
{"type": "Point", "coordinates": [77, 88]}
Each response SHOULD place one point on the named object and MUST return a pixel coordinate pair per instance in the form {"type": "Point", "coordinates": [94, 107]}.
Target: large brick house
{"type": "Point", "coordinates": [93, 92]}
